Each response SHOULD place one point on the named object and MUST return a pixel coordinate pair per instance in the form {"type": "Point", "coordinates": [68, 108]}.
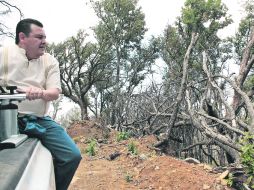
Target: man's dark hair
{"type": "Point", "coordinates": [25, 27]}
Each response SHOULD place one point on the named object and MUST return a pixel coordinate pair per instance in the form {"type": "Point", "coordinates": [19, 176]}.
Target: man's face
{"type": "Point", "coordinates": [35, 43]}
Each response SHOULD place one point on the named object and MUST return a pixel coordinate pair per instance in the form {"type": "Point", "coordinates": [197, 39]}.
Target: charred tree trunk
{"type": "Point", "coordinates": [245, 66]}
{"type": "Point", "coordinates": [182, 89]}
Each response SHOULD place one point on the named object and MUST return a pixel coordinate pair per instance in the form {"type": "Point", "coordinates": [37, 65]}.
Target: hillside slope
{"type": "Point", "coordinates": [114, 167]}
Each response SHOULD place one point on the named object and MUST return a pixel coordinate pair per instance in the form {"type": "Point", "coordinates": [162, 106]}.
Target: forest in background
{"type": "Point", "coordinates": [200, 108]}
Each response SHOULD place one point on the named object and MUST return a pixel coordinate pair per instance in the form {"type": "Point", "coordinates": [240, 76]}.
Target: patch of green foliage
{"type": "Point", "coordinates": [90, 150]}
{"type": "Point", "coordinates": [247, 156]}
{"type": "Point", "coordinates": [132, 147]}
{"type": "Point", "coordinates": [122, 136]}
{"type": "Point", "coordinates": [128, 177]}
{"type": "Point", "coordinates": [230, 180]}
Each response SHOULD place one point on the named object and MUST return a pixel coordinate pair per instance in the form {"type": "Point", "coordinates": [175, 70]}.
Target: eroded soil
{"type": "Point", "coordinates": [147, 169]}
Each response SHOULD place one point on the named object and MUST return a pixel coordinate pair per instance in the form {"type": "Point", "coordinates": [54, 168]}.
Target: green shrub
{"type": "Point", "coordinates": [230, 180]}
{"type": "Point", "coordinates": [128, 177]}
{"type": "Point", "coordinates": [247, 156]}
{"type": "Point", "coordinates": [122, 136]}
{"type": "Point", "coordinates": [132, 148]}
{"type": "Point", "coordinates": [90, 150]}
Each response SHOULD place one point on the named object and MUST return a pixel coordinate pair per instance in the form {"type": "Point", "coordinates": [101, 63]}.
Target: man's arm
{"type": "Point", "coordinates": [33, 93]}
{"type": "Point", "coordinates": [50, 94]}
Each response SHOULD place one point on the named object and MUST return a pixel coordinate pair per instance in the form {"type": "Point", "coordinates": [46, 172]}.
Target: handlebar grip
{"type": "Point", "coordinates": [11, 89]}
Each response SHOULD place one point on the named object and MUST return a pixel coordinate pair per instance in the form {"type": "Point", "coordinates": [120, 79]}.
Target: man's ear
{"type": "Point", "coordinates": [22, 36]}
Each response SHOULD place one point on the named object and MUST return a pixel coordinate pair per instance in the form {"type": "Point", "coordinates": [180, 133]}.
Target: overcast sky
{"type": "Point", "coordinates": [62, 18]}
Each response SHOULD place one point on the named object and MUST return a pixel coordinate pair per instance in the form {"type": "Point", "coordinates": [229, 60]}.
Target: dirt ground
{"type": "Point", "coordinates": [113, 167]}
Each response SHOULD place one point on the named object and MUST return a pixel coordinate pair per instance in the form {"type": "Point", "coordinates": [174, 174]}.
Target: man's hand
{"type": "Point", "coordinates": [32, 93]}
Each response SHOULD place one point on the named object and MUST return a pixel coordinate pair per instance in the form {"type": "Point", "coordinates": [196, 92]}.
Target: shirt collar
{"type": "Point", "coordinates": [21, 50]}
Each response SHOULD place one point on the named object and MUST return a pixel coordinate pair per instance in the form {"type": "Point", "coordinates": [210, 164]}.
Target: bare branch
{"type": "Point", "coordinates": [214, 85]}
{"type": "Point", "coordinates": [227, 126]}
{"type": "Point", "coordinates": [202, 126]}
{"type": "Point", "coordinates": [179, 97]}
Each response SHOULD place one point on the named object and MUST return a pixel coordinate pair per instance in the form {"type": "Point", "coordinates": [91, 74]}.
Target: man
{"type": "Point", "coordinates": [37, 74]}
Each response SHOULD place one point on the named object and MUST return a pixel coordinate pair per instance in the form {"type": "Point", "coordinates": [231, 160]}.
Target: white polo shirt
{"type": "Point", "coordinates": [43, 73]}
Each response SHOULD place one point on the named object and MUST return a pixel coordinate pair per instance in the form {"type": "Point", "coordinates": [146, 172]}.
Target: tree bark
{"type": "Point", "coordinates": [182, 89]}
{"type": "Point", "coordinates": [245, 66]}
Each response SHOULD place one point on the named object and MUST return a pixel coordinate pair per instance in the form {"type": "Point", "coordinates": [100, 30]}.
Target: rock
{"type": "Point", "coordinates": [143, 157]}
{"type": "Point", "coordinates": [114, 155]}
{"type": "Point", "coordinates": [100, 141]}
{"type": "Point", "coordinates": [224, 182]}
{"type": "Point", "coordinates": [223, 175]}
{"type": "Point", "coordinates": [206, 186]}
{"type": "Point", "coordinates": [192, 160]}
{"type": "Point", "coordinates": [82, 139]}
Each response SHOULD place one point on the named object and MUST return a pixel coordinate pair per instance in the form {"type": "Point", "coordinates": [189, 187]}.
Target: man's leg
{"type": "Point", "coordinates": [64, 151]}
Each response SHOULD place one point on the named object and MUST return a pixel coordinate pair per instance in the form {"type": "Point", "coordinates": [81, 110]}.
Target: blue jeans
{"type": "Point", "coordinates": [64, 151]}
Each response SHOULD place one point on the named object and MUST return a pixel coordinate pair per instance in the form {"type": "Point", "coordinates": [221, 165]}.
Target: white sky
{"type": "Point", "coordinates": [62, 18]}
